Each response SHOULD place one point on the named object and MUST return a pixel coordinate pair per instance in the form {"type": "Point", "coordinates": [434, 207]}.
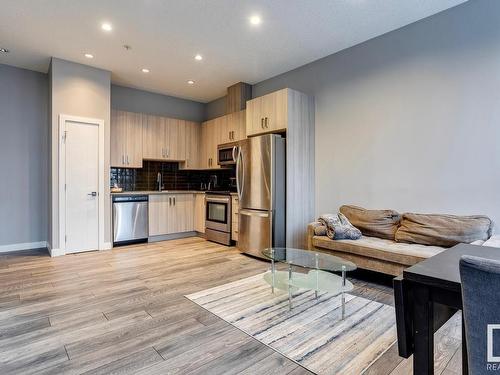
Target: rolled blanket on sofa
{"type": "Point", "coordinates": [339, 228]}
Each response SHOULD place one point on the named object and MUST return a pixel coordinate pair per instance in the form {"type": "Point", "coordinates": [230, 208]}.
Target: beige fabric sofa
{"type": "Point", "coordinates": [378, 254]}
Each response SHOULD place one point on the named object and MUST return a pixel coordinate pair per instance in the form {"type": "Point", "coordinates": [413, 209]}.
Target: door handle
{"type": "Point", "coordinates": [92, 194]}
{"type": "Point", "coordinates": [254, 213]}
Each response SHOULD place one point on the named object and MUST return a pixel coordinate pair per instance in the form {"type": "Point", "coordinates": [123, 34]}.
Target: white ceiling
{"type": "Point", "coordinates": [166, 34]}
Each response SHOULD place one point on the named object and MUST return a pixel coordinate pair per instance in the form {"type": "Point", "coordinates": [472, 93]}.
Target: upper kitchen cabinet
{"type": "Point", "coordinates": [222, 130]}
{"type": "Point", "coordinates": [234, 128]}
{"type": "Point", "coordinates": [126, 139]}
{"type": "Point", "coordinates": [164, 138]}
{"type": "Point", "coordinates": [176, 137]}
{"type": "Point", "coordinates": [154, 135]}
{"type": "Point", "coordinates": [210, 135]}
{"type": "Point", "coordinates": [273, 113]}
{"type": "Point", "coordinates": [192, 144]}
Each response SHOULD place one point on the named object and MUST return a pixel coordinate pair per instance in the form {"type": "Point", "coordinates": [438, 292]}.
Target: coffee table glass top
{"type": "Point", "coordinates": [308, 259]}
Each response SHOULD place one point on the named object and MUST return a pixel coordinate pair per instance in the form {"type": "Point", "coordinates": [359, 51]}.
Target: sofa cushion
{"type": "Point", "coordinates": [442, 230]}
{"type": "Point", "coordinates": [375, 223]}
{"type": "Point", "coordinates": [387, 250]}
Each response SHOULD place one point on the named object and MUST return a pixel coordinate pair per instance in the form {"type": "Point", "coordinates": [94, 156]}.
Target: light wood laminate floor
{"type": "Point", "coordinates": [123, 311]}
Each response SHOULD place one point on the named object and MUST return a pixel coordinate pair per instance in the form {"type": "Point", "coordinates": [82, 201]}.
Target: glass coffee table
{"type": "Point", "coordinates": [319, 276]}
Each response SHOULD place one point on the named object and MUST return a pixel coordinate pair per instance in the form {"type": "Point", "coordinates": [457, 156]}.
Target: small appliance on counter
{"type": "Point", "coordinates": [116, 189]}
{"type": "Point", "coordinates": [130, 219]}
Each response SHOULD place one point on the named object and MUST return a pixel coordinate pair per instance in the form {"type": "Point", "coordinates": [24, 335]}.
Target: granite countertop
{"type": "Point", "coordinates": [152, 192]}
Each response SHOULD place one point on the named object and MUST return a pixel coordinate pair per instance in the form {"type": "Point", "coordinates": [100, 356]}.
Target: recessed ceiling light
{"type": "Point", "coordinates": [255, 20]}
{"type": "Point", "coordinates": [89, 56]}
{"type": "Point", "coordinates": [106, 26]}
{"type": "Point", "coordinates": [190, 82]}
{"type": "Point", "coordinates": [145, 70]}
{"type": "Point", "coordinates": [198, 57]}
{"type": "Point", "coordinates": [4, 50]}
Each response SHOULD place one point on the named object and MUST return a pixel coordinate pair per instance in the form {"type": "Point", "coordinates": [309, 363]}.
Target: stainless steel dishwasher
{"type": "Point", "coordinates": [130, 219]}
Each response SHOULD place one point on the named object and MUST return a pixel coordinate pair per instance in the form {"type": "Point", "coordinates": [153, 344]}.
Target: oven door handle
{"type": "Point", "coordinates": [217, 200]}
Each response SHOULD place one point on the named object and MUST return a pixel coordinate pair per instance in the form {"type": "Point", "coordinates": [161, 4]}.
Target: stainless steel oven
{"type": "Point", "coordinates": [218, 217]}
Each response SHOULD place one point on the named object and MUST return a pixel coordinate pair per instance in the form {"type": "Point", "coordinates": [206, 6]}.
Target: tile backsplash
{"type": "Point", "coordinates": [173, 177]}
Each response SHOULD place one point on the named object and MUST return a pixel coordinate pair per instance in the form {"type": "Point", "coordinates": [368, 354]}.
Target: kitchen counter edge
{"type": "Point", "coordinates": [154, 192]}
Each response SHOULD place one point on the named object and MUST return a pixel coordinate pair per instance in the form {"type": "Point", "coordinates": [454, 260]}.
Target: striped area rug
{"type": "Point", "coordinates": [312, 334]}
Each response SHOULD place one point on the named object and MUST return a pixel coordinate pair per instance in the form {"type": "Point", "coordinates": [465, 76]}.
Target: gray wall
{"type": "Point", "coordinates": [215, 108]}
{"type": "Point", "coordinates": [133, 100]}
{"type": "Point", "coordinates": [410, 120]}
{"type": "Point", "coordinates": [78, 90]}
{"type": "Point", "coordinates": [24, 128]}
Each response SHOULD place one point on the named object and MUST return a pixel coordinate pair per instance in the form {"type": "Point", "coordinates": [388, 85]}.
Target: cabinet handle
{"type": "Point", "coordinates": [174, 200]}
{"type": "Point", "coordinates": [266, 123]}
{"type": "Point", "coordinates": [262, 122]}
{"type": "Point", "coordinates": [169, 201]}
{"type": "Point", "coordinates": [123, 159]}
{"type": "Point", "coordinates": [127, 161]}
{"type": "Point", "coordinates": [168, 151]}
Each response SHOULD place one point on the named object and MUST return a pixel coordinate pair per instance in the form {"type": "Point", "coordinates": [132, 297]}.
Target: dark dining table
{"type": "Point", "coordinates": [426, 296]}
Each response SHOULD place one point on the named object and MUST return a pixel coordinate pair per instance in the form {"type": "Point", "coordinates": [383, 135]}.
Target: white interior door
{"type": "Point", "coordinates": [82, 186]}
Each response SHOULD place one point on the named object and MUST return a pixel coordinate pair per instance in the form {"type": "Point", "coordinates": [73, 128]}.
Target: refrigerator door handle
{"type": "Point", "coordinates": [240, 166]}
{"type": "Point", "coordinates": [254, 213]}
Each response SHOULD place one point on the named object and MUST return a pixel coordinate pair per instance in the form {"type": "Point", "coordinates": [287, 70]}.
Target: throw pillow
{"type": "Point", "coordinates": [338, 227]}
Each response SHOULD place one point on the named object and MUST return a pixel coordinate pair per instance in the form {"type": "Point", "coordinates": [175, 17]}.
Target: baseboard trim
{"type": "Point", "coordinates": [174, 236]}
{"type": "Point", "coordinates": [23, 246]}
{"type": "Point", "coordinates": [107, 246]}
{"type": "Point", "coordinates": [56, 252]}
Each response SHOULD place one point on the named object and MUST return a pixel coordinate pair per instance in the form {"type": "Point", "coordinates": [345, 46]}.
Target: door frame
{"type": "Point", "coordinates": [62, 178]}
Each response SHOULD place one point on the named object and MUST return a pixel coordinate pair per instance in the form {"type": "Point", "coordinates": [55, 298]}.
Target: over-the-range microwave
{"type": "Point", "coordinates": [227, 153]}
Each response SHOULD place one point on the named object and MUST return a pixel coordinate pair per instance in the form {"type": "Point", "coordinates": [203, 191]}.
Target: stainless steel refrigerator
{"type": "Point", "coordinates": [260, 180]}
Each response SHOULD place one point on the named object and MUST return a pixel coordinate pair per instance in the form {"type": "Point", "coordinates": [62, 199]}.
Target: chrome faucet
{"type": "Point", "coordinates": [159, 180]}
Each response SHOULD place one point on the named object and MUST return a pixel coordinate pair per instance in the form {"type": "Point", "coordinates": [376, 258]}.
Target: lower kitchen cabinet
{"type": "Point", "coordinates": [170, 213]}
{"type": "Point", "coordinates": [234, 218]}
{"type": "Point", "coordinates": [199, 213]}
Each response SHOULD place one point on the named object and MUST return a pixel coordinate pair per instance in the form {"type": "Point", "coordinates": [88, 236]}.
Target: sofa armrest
{"type": "Point", "coordinates": [310, 233]}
